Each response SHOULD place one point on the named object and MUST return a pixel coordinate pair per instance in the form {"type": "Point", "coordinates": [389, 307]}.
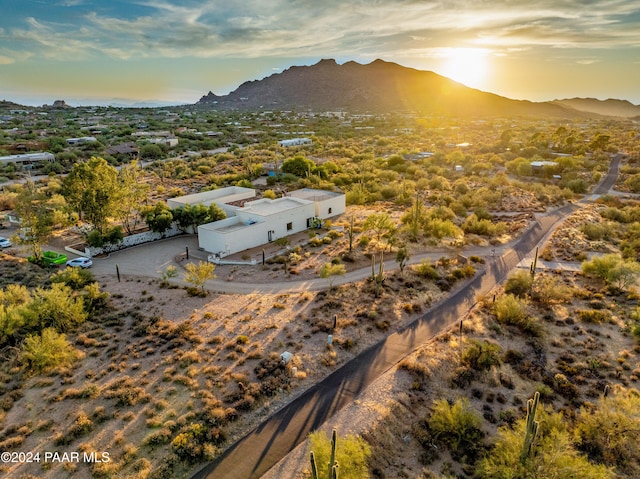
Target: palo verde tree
{"type": "Point", "coordinates": [132, 192]}
{"type": "Point", "coordinates": [199, 274]}
{"type": "Point", "coordinates": [158, 217]}
{"type": "Point", "coordinates": [91, 189]}
{"type": "Point", "coordinates": [36, 217]}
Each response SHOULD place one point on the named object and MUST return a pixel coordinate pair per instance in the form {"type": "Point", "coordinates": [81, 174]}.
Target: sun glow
{"type": "Point", "coordinates": [468, 66]}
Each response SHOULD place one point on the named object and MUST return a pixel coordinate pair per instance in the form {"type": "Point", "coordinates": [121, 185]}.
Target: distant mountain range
{"type": "Point", "coordinates": [385, 86]}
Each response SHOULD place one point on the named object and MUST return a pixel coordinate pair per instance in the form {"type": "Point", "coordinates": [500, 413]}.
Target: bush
{"type": "Point", "coordinates": [426, 270]}
{"type": "Point", "coordinates": [519, 283]}
{"type": "Point", "coordinates": [47, 351]}
{"type": "Point", "coordinates": [553, 454]}
{"type": "Point", "coordinates": [610, 432]}
{"type": "Point", "coordinates": [481, 355]}
{"type": "Point", "coordinates": [457, 427]}
{"type": "Point", "coordinates": [512, 311]}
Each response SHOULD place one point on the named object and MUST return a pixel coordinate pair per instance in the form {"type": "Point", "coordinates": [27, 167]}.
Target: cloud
{"type": "Point", "coordinates": [258, 28]}
{"type": "Point", "coordinates": [6, 60]}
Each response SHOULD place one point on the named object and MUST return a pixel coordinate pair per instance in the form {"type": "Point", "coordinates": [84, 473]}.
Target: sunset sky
{"type": "Point", "coordinates": [94, 52]}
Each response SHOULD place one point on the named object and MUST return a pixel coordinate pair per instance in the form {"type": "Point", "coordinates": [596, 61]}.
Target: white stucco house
{"type": "Point", "coordinates": [230, 199]}
{"type": "Point", "coordinates": [295, 142]}
{"type": "Point", "coordinates": [253, 222]}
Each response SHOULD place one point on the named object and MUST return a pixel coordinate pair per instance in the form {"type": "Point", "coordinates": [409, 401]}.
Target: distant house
{"type": "Point", "coordinates": [538, 167]}
{"type": "Point", "coordinates": [170, 142]}
{"type": "Point", "coordinates": [129, 150]}
{"type": "Point", "coordinates": [295, 142]}
{"type": "Point", "coordinates": [253, 222]}
{"type": "Point", "coordinates": [28, 160]}
{"type": "Point", "coordinates": [81, 140]}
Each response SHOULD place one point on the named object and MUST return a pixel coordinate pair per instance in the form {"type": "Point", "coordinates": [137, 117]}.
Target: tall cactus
{"type": "Point", "coordinates": [314, 468]}
{"type": "Point", "coordinates": [531, 430]}
{"type": "Point", "coordinates": [332, 469]}
{"type": "Point", "coordinates": [332, 461]}
{"type": "Point", "coordinates": [534, 264]}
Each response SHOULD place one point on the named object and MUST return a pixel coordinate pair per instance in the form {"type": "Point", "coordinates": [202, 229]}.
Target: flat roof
{"type": "Point", "coordinates": [266, 207]}
{"type": "Point", "coordinates": [313, 194]}
{"type": "Point", "coordinates": [222, 195]}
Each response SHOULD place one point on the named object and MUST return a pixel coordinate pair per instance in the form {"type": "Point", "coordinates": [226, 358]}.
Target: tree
{"type": "Point", "coordinates": [132, 192]}
{"type": "Point", "coordinates": [158, 217]}
{"type": "Point", "coordinates": [57, 307]}
{"type": "Point", "coordinates": [612, 270]}
{"type": "Point", "coordinates": [91, 188]}
{"type": "Point", "coordinates": [299, 166]}
{"type": "Point", "coordinates": [36, 218]}
{"type": "Point", "coordinates": [331, 270]}
{"type": "Point", "coordinates": [380, 223]}
{"type": "Point", "coordinates": [199, 274]}
{"type": "Point", "coordinates": [191, 216]}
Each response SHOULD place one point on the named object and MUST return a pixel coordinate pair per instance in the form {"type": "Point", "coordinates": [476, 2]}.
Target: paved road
{"type": "Point", "coordinates": [263, 447]}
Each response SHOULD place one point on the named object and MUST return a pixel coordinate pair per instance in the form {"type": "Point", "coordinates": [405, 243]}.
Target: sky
{"type": "Point", "coordinates": [90, 52]}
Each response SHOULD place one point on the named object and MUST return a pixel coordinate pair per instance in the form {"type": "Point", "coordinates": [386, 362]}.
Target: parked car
{"type": "Point", "coordinates": [5, 243]}
{"type": "Point", "coordinates": [80, 262]}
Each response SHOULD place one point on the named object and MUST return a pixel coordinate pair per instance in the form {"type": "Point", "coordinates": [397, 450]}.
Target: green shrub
{"type": "Point", "coordinates": [553, 454]}
{"type": "Point", "coordinates": [47, 351]}
{"type": "Point", "coordinates": [610, 432]}
{"type": "Point", "coordinates": [481, 355]}
{"type": "Point", "coordinates": [593, 315]}
{"type": "Point", "coordinates": [426, 270]}
{"type": "Point", "coordinates": [512, 311]}
{"type": "Point", "coordinates": [458, 427]}
{"type": "Point", "coordinates": [519, 283]}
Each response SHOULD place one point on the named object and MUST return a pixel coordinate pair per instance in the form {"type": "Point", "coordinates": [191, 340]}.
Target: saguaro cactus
{"type": "Point", "coordinates": [534, 264]}
{"type": "Point", "coordinates": [531, 430]}
{"type": "Point", "coordinates": [332, 469]}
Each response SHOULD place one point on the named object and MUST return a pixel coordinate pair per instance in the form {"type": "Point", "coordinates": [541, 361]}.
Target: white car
{"type": "Point", "coordinates": [80, 262]}
{"type": "Point", "coordinates": [5, 243]}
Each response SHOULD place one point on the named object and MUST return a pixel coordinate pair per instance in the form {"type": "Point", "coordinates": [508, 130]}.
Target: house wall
{"type": "Point", "coordinates": [233, 235]}
{"type": "Point", "coordinates": [331, 207]}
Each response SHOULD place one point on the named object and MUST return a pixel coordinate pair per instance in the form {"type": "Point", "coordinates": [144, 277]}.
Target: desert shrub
{"type": "Point", "coordinates": [547, 290]}
{"type": "Point", "coordinates": [125, 392]}
{"type": "Point", "coordinates": [157, 438]}
{"type": "Point", "coordinates": [593, 315]}
{"type": "Point", "coordinates": [519, 283]}
{"type": "Point", "coordinates": [553, 454]}
{"type": "Point", "coordinates": [481, 355]}
{"type": "Point", "coordinates": [75, 278]}
{"type": "Point", "coordinates": [426, 270]}
{"type": "Point", "coordinates": [352, 454]}
{"type": "Point", "coordinates": [46, 351]}
{"type": "Point", "coordinates": [458, 427]}
{"type": "Point", "coordinates": [509, 309]}
{"type": "Point", "coordinates": [512, 311]}
{"type": "Point", "coordinates": [595, 231]}
{"type": "Point", "coordinates": [609, 432]}
{"type": "Point", "coordinates": [483, 227]}
{"type": "Point", "coordinates": [196, 443]}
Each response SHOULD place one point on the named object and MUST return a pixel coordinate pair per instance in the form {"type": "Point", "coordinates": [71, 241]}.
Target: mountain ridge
{"type": "Point", "coordinates": [377, 86]}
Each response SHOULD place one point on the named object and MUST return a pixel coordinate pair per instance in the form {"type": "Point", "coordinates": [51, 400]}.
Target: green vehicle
{"type": "Point", "coordinates": [53, 259]}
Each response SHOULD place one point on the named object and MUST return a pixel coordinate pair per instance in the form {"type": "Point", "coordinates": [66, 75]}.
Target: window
{"type": "Point", "coordinates": [289, 226]}
{"type": "Point", "coordinates": [329, 210]}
